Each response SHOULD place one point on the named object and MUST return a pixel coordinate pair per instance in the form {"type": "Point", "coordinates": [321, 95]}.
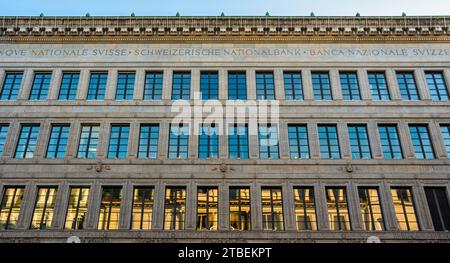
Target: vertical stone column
{"type": "Point", "coordinates": [437, 140]}
{"type": "Point", "coordinates": [353, 206]}
{"type": "Point", "coordinates": [27, 83]}
{"type": "Point", "coordinates": [139, 85]}
{"type": "Point", "coordinates": [253, 141]}
{"type": "Point", "coordinates": [167, 84]}
{"type": "Point", "coordinates": [223, 141]}
{"type": "Point", "coordinates": [223, 85]}
{"type": "Point", "coordinates": [125, 206]}
{"type": "Point", "coordinates": [421, 207]}
{"type": "Point", "coordinates": [29, 200]}
{"type": "Point", "coordinates": [446, 74]}
{"type": "Point", "coordinates": [195, 82]}
{"type": "Point", "coordinates": [158, 207]}
{"type": "Point", "coordinates": [110, 93]}
{"type": "Point", "coordinates": [256, 210]}
{"type": "Point", "coordinates": [375, 141]}
{"type": "Point", "coordinates": [62, 200]}
{"type": "Point", "coordinates": [102, 146]}
{"type": "Point", "coordinates": [321, 207]}
{"type": "Point", "coordinates": [279, 87]}
{"type": "Point", "coordinates": [389, 217]}
{"type": "Point", "coordinates": [391, 81]}
{"type": "Point", "coordinates": [335, 84]}
{"type": "Point", "coordinates": [2, 78]}
{"type": "Point", "coordinates": [191, 206]}
{"type": "Point", "coordinates": [313, 138]}
{"type": "Point", "coordinates": [251, 84]}
{"type": "Point", "coordinates": [405, 140]}
{"type": "Point", "coordinates": [75, 131]}
{"type": "Point", "coordinates": [283, 140]}
{"type": "Point", "coordinates": [11, 140]}
{"type": "Point", "coordinates": [193, 142]}
{"type": "Point", "coordinates": [95, 197]}
{"type": "Point", "coordinates": [83, 84]}
{"type": "Point", "coordinates": [55, 84]}
{"type": "Point", "coordinates": [344, 140]}
{"type": "Point", "coordinates": [288, 207]}
{"type": "Point", "coordinates": [133, 140]}
{"type": "Point", "coordinates": [41, 145]}
{"type": "Point", "coordinates": [421, 83]}
{"type": "Point", "coordinates": [364, 86]}
{"type": "Point", "coordinates": [164, 130]}
{"type": "Point", "coordinates": [308, 93]}
{"type": "Point", "coordinates": [224, 208]}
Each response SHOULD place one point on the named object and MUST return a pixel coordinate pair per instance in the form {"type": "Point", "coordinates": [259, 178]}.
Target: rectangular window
{"type": "Point", "coordinates": [207, 208]}
{"type": "Point", "coordinates": [268, 142]}
{"type": "Point", "coordinates": [293, 88]}
{"type": "Point", "coordinates": [97, 86]}
{"type": "Point", "coordinates": [329, 142]}
{"type": "Point", "coordinates": [338, 215]}
{"type": "Point", "coordinates": [109, 217]}
{"type": "Point", "coordinates": [237, 86]}
{"type": "Point", "coordinates": [181, 86]}
{"type": "Point", "coordinates": [148, 141]}
{"type": "Point", "coordinates": [44, 208]}
{"type": "Point", "coordinates": [437, 86]}
{"type": "Point", "coordinates": [3, 134]}
{"type": "Point", "coordinates": [439, 207]}
{"type": "Point", "coordinates": [238, 141]}
{"type": "Point", "coordinates": [208, 141]}
{"type": "Point", "coordinates": [118, 141]}
{"type": "Point", "coordinates": [11, 86]}
{"type": "Point", "coordinates": [404, 209]}
{"type": "Point", "coordinates": [125, 86]}
{"type": "Point", "coordinates": [175, 208]}
{"type": "Point", "coordinates": [141, 216]}
{"type": "Point", "coordinates": [423, 148]}
{"type": "Point", "coordinates": [40, 86]}
{"type": "Point", "coordinates": [272, 209]}
{"type": "Point", "coordinates": [240, 208]}
{"type": "Point", "coordinates": [209, 85]}
{"type": "Point", "coordinates": [298, 141]}
{"type": "Point", "coordinates": [350, 86]}
{"type": "Point", "coordinates": [321, 86]}
{"type": "Point", "coordinates": [57, 142]}
{"type": "Point", "coordinates": [445, 132]}
{"type": "Point", "coordinates": [153, 85]}
{"type": "Point", "coordinates": [305, 208]}
{"type": "Point", "coordinates": [390, 141]}
{"type": "Point", "coordinates": [178, 141]}
{"type": "Point", "coordinates": [87, 147]}
{"type": "Point", "coordinates": [265, 87]}
{"type": "Point", "coordinates": [359, 141]}
{"type": "Point", "coordinates": [10, 207]}
{"type": "Point", "coordinates": [370, 205]}
{"type": "Point", "coordinates": [407, 86]}
{"type": "Point", "coordinates": [76, 216]}
{"type": "Point", "coordinates": [378, 86]}
{"type": "Point", "coordinates": [27, 141]}
{"type": "Point", "coordinates": [69, 86]}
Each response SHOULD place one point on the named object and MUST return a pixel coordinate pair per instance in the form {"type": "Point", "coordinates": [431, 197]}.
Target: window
{"type": "Point", "coordinates": [338, 215]}
{"type": "Point", "coordinates": [87, 148]}
{"type": "Point", "coordinates": [207, 208]}
{"type": "Point", "coordinates": [350, 86]}
{"type": "Point", "coordinates": [298, 141]}
{"type": "Point", "coordinates": [175, 208]}
{"type": "Point", "coordinates": [265, 87]}
{"type": "Point", "coordinates": [10, 207]}
{"type": "Point", "coordinates": [44, 208]}
{"type": "Point", "coordinates": [109, 217]}
{"type": "Point", "coordinates": [125, 86]}
{"type": "Point", "coordinates": [3, 133]}
{"type": "Point", "coordinates": [11, 86]}
{"type": "Point", "coordinates": [76, 216]}
{"type": "Point", "coordinates": [437, 86]}
{"type": "Point", "coordinates": [41, 83]}
{"type": "Point", "coordinates": [359, 141]}
{"type": "Point", "coordinates": [239, 198]}
{"type": "Point", "coordinates": [321, 86]}
{"type": "Point", "coordinates": [141, 216]}
{"type": "Point", "coordinates": [370, 205]}
{"type": "Point", "coordinates": [181, 86]}
{"type": "Point", "coordinates": [439, 207]}
{"type": "Point", "coordinates": [305, 208]}
{"type": "Point", "coordinates": [445, 132]}
{"type": "Point", "coordinates": [118, 141]}
{"type": "Point", "coordinates": [237, 86]}
{"type": "Point", "coordinates": [178, 141]}
{"type": "Point", "coordinates": [378, 86]}
{"type": "Point", "coordinates": [390, 142]}
{"type": "Point", "coordinates": [407, 85]}
{"type": "Point", "coordinates": [293, 89]}
{"type": "Point", "coordinates": [97, 86]}
{"type": "Point", "coordinates": [208, 141]}
{"type": "Point", "coordinates": [153, 86]}
{"type": "Point", "coordinates": [268, 142]}
{"type": "Point", "coordinates": [209, 85]}
{"type": "Point", "coordinates": [421, 141]}
{"type": "Point", "coordinates": [272, 209]}
{"type": "Point", "coordinates": [69, 85]}
{"type": "Point", "coordinates": [27, 141]}
{"type": "Point", "coordinates": [57, 142]}
{"type": "Point", "coordinates": [148, 141]}
{"type": "Point", "coordinates": [329, 142]}
{"type": "Point", "coordinates": [238, 141]}
{"type": "Point", "coordinates": [404, 209]}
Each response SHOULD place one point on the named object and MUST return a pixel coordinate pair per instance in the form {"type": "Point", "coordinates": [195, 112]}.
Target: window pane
{"type": "Point", "coordinates": [109, 216]}
{"type": "Point", "coordinates": [293, 86]}
{"type": "Point", "coordinates": [40, 86]}
{"type": "Point", "coordinates": [125, 86]}
{"type": "Point", "coordinates": [239, 208]}
{"type": "Point", "coordinates": [11, 86]}
{"type": "Point", "coordinates": [445, 131]}
{"type": "Point", "coordinates": [265, 87]}
{"type": "Point", "coordinates": [77, 209]}
{"type": "Point", "coordinates": [407, 86]}
{"type": "Point", "coordinates": [298, 141]}
{"type": "Point", "coordinates": [421, 141]}
{"type": "Point", "coordinates": [238, 141]}
{"type": "Point", "coordinates": [390, 142]}
{"type": "Point", "coordinates": [89, 136]}
{"type": "Point", "coordinates": [350, 86]}
{"type": "Point", "coordinates": [439, 207]}
{"type": "Point", "coordinates": [148, 141]}
{"type": "Point", "coordinates": [404, 209]}
{"type": "Point", "coordinates": [272, 209]}
{"type": "Point", "coordinates": [329, 142]}
{"type": "Point", "coordinates": [209, 85]}
{"type": "Point", "coordinates": [118, 141]}
{"type": "Point", "coordinates": [97, 86]}
{"type": "Point", "coordinates": [305, 208]}
{"type": "Point", "coordinates": [359, 142]}
{"type": "Point", "coordinates": [69, 85]}
{"type": "Point", "coordinates": [181, 86]}
{"type": "Point", "coordinates": [321, 86]}
{"type": "Point", "coordinates": [370, 205]}
{"type": "Point", "coordinates": [208, 142]}
{"type": "Point", "coordinates": [3, 133]}
{"type": "Point", "coordinates": [237, 86]}
{"type": "Point", "coordinates": [207, 208]}
{"type": "Point", "coordinates": [10, 207]}
{"type": "Point", "coordinates": [437, 86]}
{"type": "Point", "coordinates": [141, 216]}
{"type": "Point", "coordinates": [338, 215]}
{"type": "Point", "coordinates": [178, 141]}
{"type": "Point", "coordinates": [44, 208]}
{"type": "Point", "coordinates": [378, 86]}
{"type": "Point", "coordinates": [57, 143]}
{"type": "Point", "coordinates": [27, 141]}
{"type": "Point", "coordinates": [174, 208]}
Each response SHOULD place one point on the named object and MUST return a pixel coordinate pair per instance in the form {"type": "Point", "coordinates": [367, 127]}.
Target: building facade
{"type": "Point", "coordinates": [89, 149]}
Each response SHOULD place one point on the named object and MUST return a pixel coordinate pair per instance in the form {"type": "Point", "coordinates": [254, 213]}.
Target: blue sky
{"type": "Point", "coordinates": [229, 7]}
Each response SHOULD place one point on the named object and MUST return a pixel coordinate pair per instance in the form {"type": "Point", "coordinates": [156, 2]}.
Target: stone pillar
{"type": "Point", "coordinates": [111, 84]}
{"type": "Point", "coordinates": [405, 140]}
{"type": "Point", "coordinates": [11, 140]}
{"type": "Point", "coordinates": [29, 200]}
{"type": "Point", "coordinates": [195, 83]}
{"type": "Point", "coordinates": [62, 200]}
{"type": "Point", "coordinates": [164, 130]}
{"type": "Point", "coordinates": [223, 141]}
{"type": "Point", "coordinates": [256, 210]}
{"type": "Point", "coordinates": [191, 206]}
{"type": "Point", "coordinates": [353, 207]}
{"type": "Point", "coordinates": [253, 141]}
{"type": "Point", "coordinates": [391, 81]}
{"type": "Point", "coordinates": [251, 84]}
{"type": "Point", "coordinates": [364, 86]}
{"type": "Point", "coordinates": [375, 141]}
{"type": "Point", "coordinates": [279, 87]}
{"type": "Point", "coordinates": [446, 74]}
{"type": "Point", "coordinates": [224, 208]}
{"type": "Point", "coordinates": [288, 207]}
{"type": "Point", "coordinates": [41, 145]}
{"type": "Point", "coordinates": [167, 84]}
{"type": "Point", "coordinates": [102, 147]}
{"type": "Point", "coordinates": [95, 197]}
{"type": "Point", "coordinates": [437, 140]}
{"type": "Point", "coordinates": [75, 131]}
{"type": "Point", "coordinates": [344, 140]}
{"type": "Point", "coordinates": [223, 85]}
{"type": "Point", "coordinates": [193, 143]}
{"type": "Point", "coordinates": [83, 84]}
{"type": "Point", "coordinates": [126, 206]}
{"type": "Point", "coordinates": [421, 83]}
{"type": "Point", "coordinates": [283, 140]}
{"type": "Point", "coordinates": [335, 84]}
{"type": "Point", "coordinates": [133, 139]}
{"type": "Point", "coordinates": [308, 93]}
{"type": "Point", "coordinates": [55, 84]}
{"type": "Point", "coordinates": [158, 207]}
{"type": "Point", "coordinates": [421, 207]}
{"type": "Point", "coordinates": [321, 207]}
{"type": "Point", "coordinates": [138, 93]}
{"type": "Point", "coordinates": [389, 217]}
{"type": "Point", "coordinates": [313, 137]}
{"type": "Point", "coordinates": [2, 78]}
{"type": "Point", "coordinates": [27, 83]}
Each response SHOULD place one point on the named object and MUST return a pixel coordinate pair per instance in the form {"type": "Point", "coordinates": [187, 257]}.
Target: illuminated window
{"type": "Point", "coordinates": [181, 86]}
{"type": "Point", "coordinates": [148, 141]}
{"type": "Point", "coordinates": [239, 198]}
{"type": "Point", "coordinates": [10, 207]}
{"type": "Point", "coordinates": [439, 207]}
{"type": "Point", "coordinates": [268, 142]}
{"type": "Point", "coordinates": [209, 85]}
{"type": "Point", "coordinates": [359, 141]}
{"type": "Point", "coordinates": [208, 141]}
{"type": "Point", "coordinates": [390, 142]}
{"type": "Point", "coordinates": [298, 141]}
{"type": "Point", "coordinates": [329, 142]}
{"type": "Point", "coordinates": [141, 216]}
{"type": "Point", "coordinates": [445, 132]}
{"type": "Point", "coordinates": [77, 208]}
{"type": "Point", "coordinates": [370, 205]}
{"type": "Point", "coordinates": [338, 215]}
{"type": "Point", "coordinates": [97, 86]}
{"type": "Point", "coordinates": [272, 209]}
{"type": "Point", "coordinates": [238, 141]}
{"type": "Point", "coordinates": [178, 141]}
{"type": "Point", "coordinates": [3, 133]}
{"type": "Point", "coordinates": [57, 143]}
{"type": "Point", "coordinates": [350, 86]}
{"type": "Point", "coordinates": [153, 86]}
{"type": "Point", "coordinates": [423, 148]}
{"type": "Point", "coordinates": [40, 86]}
{"type": "Point", "coordinates": [293, 89]}
{"type": "Point", "coordinates": [69, 85]}
{"type": "Point", "coordinates": [11, 86]}
{"type": "Point", "coordinates": [44, 208]}
{"type": "Point", "coordinates": [404, 209]}
{"type": "Point", "coordinates": [265, 87]}
{"type": "Point", "coordinates": [109, 217]}
{"type": "Point", "coordinates": [437, 86]}
{"type": "Point", "coordinates": [87, 147]}
{"type": "Point", "coordinates": [378, 86]}
{"type": "Point", "coordinates": [125, 86]}
{"type": "Point", "coordinates": [305, 208]}
{"type": "Point", "coordinates": [407, 86]}
{"type": "Point", "coordinates": [27, 141]}
{"type": "Point", "coordinates": [237, 86]}
{"type": "Point", "coordinates": [175, 208]}
{"type": "Point", "coordinates": [118, 141]}
{"type": "Point", "coordinates": [321, 86]}
{"type": "Point", "coordinates": [207, 208]}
